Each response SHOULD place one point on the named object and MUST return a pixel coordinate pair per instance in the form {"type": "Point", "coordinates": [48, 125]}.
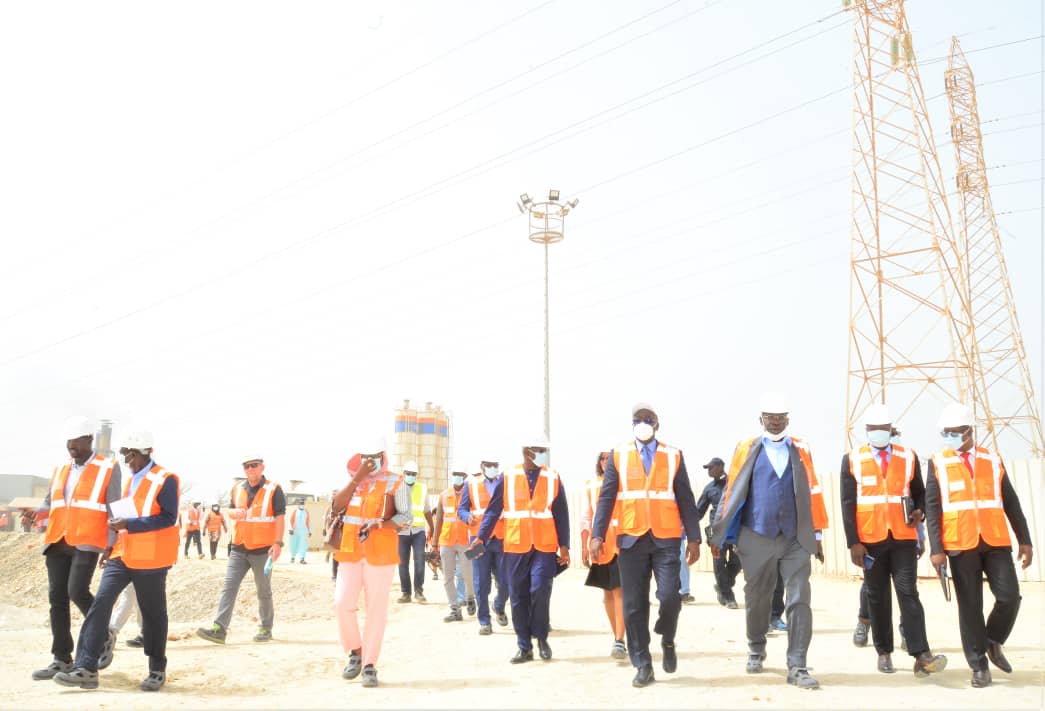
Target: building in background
{"type": "Point", "coordinates": [423, 436]}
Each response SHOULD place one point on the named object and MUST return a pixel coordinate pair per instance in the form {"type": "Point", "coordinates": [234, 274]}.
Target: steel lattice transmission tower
{"type": "Point", "coordinates": [1004, 389]}
{"type": "Point", "coordinates": [909, 331]}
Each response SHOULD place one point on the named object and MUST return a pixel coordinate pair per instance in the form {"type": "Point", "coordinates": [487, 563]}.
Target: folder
{"type": "Point", "coordinates": [945, 582]}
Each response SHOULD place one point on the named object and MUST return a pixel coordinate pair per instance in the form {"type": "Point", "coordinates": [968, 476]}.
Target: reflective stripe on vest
{"type": "Point", "coordinates": [879, 512]}
{"type": "Point", "coordinates": [418, 496]}
{"type": "Point", "coordinates": [381, 546]}
{"type": "Point", "coordinates": [149, 549]}
{"type": "Point", "coordinates": [648, 503]}
{"type": "Point", "coordinates": [478, 500]}
{"type": "Point", "coordinates": [609, 542]}
{"type": "Point", "coordinates": [529, 528]}
{"type": "Point", "coordinates": [81, 521]}
{"type": "Point", "coordinates": [971, 504]}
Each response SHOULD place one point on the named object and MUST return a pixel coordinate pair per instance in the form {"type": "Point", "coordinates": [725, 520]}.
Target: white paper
{"type": "Point", "coordinates": [123, 508]}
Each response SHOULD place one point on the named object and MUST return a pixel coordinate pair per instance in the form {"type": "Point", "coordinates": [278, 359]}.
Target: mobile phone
{"type": "Point", "coordinates": [473, 553]}
{"type": "Point", "coordinates": [364, 532]}
{"type": "Point", "coordinates": [868, 561]}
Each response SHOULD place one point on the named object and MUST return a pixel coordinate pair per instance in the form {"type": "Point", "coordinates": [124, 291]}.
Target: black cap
{"type": "Point", "coordinates": [713, 462]}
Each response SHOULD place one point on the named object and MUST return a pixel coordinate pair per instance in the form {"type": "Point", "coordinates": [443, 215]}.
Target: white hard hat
{"type": "Point", "coordinates": [252, 456]}
{"type": "Point", "coordinates": [495, 460]}
{"type": "Point", "coordinates": [137, 439]}
{"type": "Point", "coordinates": [538, 441]}
{"type": "Point", "coordinates": [373, 445]}
{"type": "Point", "coordinates": [642, 406]}
{"type": "Point", "coordinates": [410, 466]}
{"type": "Point", "coordinates": [774, 403]}
{"type": "Point", "coordinates": [956, 415]}
{"type": "Point", "coordinates": [878, 414]}
{"type": "Point", "coordinates": [78, 426]}
{"type": "Point", "coordinates": [460, 466]}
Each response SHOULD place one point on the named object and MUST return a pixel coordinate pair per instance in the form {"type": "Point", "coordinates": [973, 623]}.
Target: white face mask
{"type": "Point", "coordinates": [540, 458]}
{"type": "Point", "coordinates": [458, 479]}
{"type": "Point", "coordinates": [775, 437]}
{"type": "Point", "coordinates": [643, 432]}
{"type": "Point", "coordinates": [490, 472]}
{"type": "Point", "coordinates": [879, 439]}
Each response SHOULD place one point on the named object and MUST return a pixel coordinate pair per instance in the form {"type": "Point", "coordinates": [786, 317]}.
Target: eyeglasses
{"type": "Point", "coordinates": [251, 465]}
{"type": "Point", "coordinates": [644, 420]}
{"type": "Point", "coordinates": [964, 431]}
{"type": "Point", "coordinates": [770, 417]}
{"type": "Point", "coordinates": [603, 457]}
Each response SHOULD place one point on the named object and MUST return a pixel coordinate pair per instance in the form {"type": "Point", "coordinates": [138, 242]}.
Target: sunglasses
{"type": "Point", "coordinates": [644, 420]}
{"type": "Point", "coordinates": [252, 465]}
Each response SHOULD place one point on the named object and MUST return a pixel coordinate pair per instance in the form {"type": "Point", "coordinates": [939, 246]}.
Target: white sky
{"type": "Point", "coordinates": [261, 225]}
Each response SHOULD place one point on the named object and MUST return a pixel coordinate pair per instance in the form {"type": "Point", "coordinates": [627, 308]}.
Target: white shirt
{"type": "Point", "coordinates": [75, 470]}
{"type": "Point", "coordinates": [778, 453]}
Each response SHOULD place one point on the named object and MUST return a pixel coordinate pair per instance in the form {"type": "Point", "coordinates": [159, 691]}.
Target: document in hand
{"type": "Point", "coordinates": [123, 508]}
{"type": "Point", "coordinates": [945, 582]}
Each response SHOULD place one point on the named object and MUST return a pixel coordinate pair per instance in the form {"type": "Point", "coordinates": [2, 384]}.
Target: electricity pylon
{"type": "Point", "coordinates": [1002, 380]}
{"type": "Point", "coordinates": [909, 330]}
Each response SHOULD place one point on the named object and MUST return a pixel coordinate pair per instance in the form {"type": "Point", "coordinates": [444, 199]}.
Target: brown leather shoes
{"type": "Point", "coordinates": [928, 663]}
{"type": "Point", "coordinates": [885, 664]}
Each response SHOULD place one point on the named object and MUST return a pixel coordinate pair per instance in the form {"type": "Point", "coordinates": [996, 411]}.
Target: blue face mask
{"type": "Point", "coordinates": [540, 458]}
{"type": "Point", "coordinates": [952, 440]}
{"type": "Point", "coordinates": [458, 480]}
{"type": "Point", "coordinates": [879, 439]}
{"type": "Point", "coordinates": [410, 479]}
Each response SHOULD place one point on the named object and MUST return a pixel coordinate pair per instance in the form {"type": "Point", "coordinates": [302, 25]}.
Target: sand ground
{"type": "Point", "coordinates": [427, 663]}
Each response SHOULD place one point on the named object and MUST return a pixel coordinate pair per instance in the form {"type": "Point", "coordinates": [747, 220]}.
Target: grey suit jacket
{"type": "Point", "coordinates": [738, 495]}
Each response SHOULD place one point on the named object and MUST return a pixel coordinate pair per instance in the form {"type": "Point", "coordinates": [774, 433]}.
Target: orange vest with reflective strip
{"type": "Point", "coordinates": [83, 521]}
{"type": "Point", "coordinates": [257, 529]}
{"type": "Point", "coordinates": [971, 505]}
{"type": "Point", "coordinates": [528, 522]}
{"type": "Point", "coordinates": [879, 506]}
{"type": "Point", "coordinates": [213, 521]}
{"type": "Point", "coordinates": [609, 543]}
{"type": "Point", "coordinates": [151, 549]}
{"type": "Point", "coordinates": [192, 519]}
{"type": "Point", "coordinates": [647, 503]}
{"type": "Point", "coordinates": [381, 546]}
{"type": "Point", "coordinates": [478, 500]}
{"type": "Point", "coordinates": [818, 511]}
{"type": "Point", "coordinates": [453, 532]}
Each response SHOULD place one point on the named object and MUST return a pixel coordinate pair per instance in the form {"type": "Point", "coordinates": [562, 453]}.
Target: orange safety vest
{"type": "Point", "coordinates": [454, 532]}
{"type": "Point", "coordinates": [647, 503]}
{"type": "Point", "coordinates": [478, 500]}
{"type": "Point", "coordinates": [381, 546]}
{"type": "Point", "coordinates": [818, 511]}
{"type": "Point", "coordinates": [258, 528]}
{"type": "Point", "coordinates": [83, 521]}
{"type": "Point", "coordinates": [150, 549]}
{"type": "Point", "coordinates": [971, 504]}
{"type": "Point", "coordinates": [609, 545]}
{"type": "Point", "coordinates": [213, 522]}
{"type": "Point", "coordinates": [193, 519]}
{"type": "Point", "coordinates": [528, 522]}
{"type": "Point", "coordinates": [879, 506]}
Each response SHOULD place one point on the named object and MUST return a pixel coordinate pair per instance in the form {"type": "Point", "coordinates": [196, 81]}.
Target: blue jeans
{"type": "Point", "coordinates": [413, 542]}
{"type": "Point", "coordinates": [684, 571]}
{"type": "Point", "coordinates": [150, 586]}
{"type": "Point", "coordinates": [490, 564]}
{"type": "Point", "coordinates": [530, 577]}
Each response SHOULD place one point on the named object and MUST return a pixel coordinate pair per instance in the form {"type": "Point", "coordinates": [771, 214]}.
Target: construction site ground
{"type": "Point", "coordinates": [426, 663]}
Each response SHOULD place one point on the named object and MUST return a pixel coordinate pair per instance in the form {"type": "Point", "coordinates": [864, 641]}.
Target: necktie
{"type": "Point", "coordinates": [647, 457]}
{"type": "Point", "coordinates": [884, 455]}
{"type": "Point", "coordinates": [968, 464]}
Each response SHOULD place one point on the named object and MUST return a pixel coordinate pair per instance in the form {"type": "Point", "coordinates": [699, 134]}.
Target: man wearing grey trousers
{"type": "Point", "coordinates": [773, 510]}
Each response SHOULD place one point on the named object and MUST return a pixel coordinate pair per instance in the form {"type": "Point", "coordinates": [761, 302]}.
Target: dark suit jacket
{"type": "Point", "coordinates": [683, 496]}
{"type": "Point", "coordinates": [738, 496]}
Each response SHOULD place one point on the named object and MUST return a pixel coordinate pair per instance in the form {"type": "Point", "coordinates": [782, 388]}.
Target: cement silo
{"type": "Point", "coordinates": [423, 436]}
{"type": "Point", "coordinates": [404, 448]}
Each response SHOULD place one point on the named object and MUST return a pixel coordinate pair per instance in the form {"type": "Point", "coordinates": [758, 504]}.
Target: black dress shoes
{"type": "Point", "coordinates": [523, 655]}
{"type": "Point", "coordinates": [546, 651]}
{"type": "Point", "coordinates": [981, 678]}
{"type": "Point", "coordinates": [644, 676]}
{"type": "Point", "coordinates": [997, 657]}
{"type": "Point", "coordinates": [670, 662]}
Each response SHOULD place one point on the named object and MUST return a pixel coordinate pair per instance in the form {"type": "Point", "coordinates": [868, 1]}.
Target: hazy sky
{"type": "Point", "coordinates": [262, 225]}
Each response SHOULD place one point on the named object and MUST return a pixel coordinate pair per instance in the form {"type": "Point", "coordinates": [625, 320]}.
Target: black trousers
{"type": "Point", "coordinates": [191, 536]}
{"type": "Point", "coordinates": [896, 561]}
{"type": "Point", "coordinates": [643, 560]}
{"type": "Point", "coordinates": [69, 573]}
{"type": "Point", "coordinates": [412, 543]}
{"type": "Point", "coordinates": [214, 548]}
{"type": "Point", "coordinates": [726, 567]}
{"type": "Point", "coordinates": [968, 569]}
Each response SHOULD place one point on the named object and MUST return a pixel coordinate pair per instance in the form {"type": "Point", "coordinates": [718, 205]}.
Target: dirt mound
{"type": "Point", "coordinates": [193, 586]}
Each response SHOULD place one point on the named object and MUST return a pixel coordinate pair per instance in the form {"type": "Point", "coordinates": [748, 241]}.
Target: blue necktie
{"type": "Point", "coordinates": [647, 457]}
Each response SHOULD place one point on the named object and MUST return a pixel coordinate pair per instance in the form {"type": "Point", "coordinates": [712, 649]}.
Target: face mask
{"type": "Point", "coordinates": [775, 437]}
{"type": "Point", "coordinates": [540, 458]}
{"type": "Point", "coordinates": [410, 479]}
{"type": "Point", "coordinates": [643, 432]}
{"type": "Point", "coordinates": [490, 472]}
{"type": "Point", "coordinates": [879, 439]}
{"type": "Point", "coordinates": [952, 440]}
{"type": "Point", "coordinates": [458, 480]}
{"type": "Point", "coordinates": [301, 507]}
{"type": "Point", "coordinates": [214, 509]}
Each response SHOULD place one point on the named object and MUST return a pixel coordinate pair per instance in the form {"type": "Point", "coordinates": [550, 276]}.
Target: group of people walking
{"type": "Point", "coordinates": [508, 527]}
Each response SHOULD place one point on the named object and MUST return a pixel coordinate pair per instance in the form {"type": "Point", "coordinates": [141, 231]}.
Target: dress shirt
{"type": "Point", "coordinates": [778, 453]}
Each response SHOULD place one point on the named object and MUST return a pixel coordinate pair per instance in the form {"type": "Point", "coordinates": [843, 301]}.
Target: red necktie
{"type": "Point", "coordinates": [968, 464]}
{"type": "Point", "coordinates": [885, 462]}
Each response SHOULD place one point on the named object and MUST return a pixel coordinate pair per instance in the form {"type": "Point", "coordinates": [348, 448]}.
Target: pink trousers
{"type": "Point", "coordinates": [375, 581]}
